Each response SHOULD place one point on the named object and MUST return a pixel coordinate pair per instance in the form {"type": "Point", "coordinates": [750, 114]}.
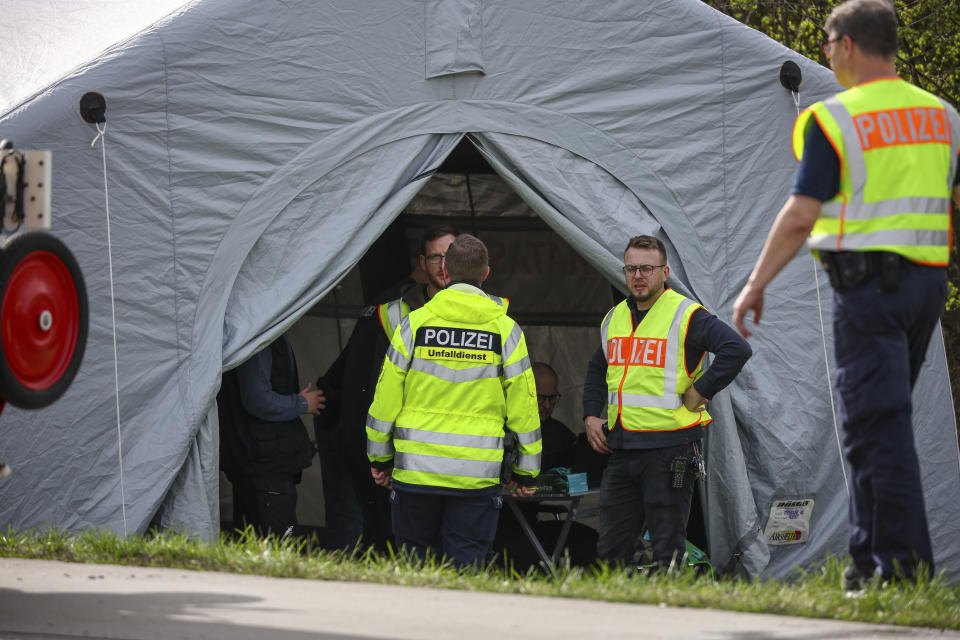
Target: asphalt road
{"type": "Point", "coordinates": [42, 600]}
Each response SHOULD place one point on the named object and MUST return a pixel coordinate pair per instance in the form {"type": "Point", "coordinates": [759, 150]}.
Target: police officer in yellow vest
{"type": "Point", "coordinates": [648, 375]}
{"type": "Point", "coordinates": [456, 375]}
{"type": "Point", "coordinates": [353, 503]}
{"type": "Point", "coordinates": [871, 197]}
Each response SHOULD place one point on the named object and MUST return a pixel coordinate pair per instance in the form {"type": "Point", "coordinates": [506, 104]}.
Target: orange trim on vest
{"type": "Point", "coordinates": [698, 423]}
{"type": "Point", "coordinates": [380, 308]}
{"type": "Point", "coordinates": [932, 264]}
{"type": "Point", "coordinates": [833, 143]}
{"type": "Point", "coordinates": [623, 378]}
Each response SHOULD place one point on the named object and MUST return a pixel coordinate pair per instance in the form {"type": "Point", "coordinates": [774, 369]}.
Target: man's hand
{"type": "Point", "coordinates": [519, 490]}
{"type": "Point", "coordinates": [316, 401]}
{"type": "Point", "coordinates": [750, 298]}
{"type": "Point", "coordinates": [595, 434]}
{"type": "Point", "coordinates": [383, 477]}
{"type": "Point", "coordinates": [693, 401]}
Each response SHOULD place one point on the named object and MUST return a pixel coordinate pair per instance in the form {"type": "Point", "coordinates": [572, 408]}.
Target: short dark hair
{"type": "Point", "coordinates": [467, 259]}
{"type": "Point", "coordinates": [432, 233]}
{"type": "Point", "coordinates": [648, 242]}
{"type": "Point", "coordinates": [871, 24]}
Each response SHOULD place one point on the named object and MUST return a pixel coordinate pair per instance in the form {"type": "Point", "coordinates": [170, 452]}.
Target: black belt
{"type": "Point", "coordinates": [850, 269]}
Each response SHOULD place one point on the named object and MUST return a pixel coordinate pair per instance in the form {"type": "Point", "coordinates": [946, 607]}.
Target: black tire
{"type": "Point", "coordinates": [43, 319]}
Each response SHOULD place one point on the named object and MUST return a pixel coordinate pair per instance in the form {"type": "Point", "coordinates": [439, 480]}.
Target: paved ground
{"type": "Point", "coordinates": [41, 600]}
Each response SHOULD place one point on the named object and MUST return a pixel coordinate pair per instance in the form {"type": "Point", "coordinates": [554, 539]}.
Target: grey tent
{"type": "Point", "coordinates": [255, 150]}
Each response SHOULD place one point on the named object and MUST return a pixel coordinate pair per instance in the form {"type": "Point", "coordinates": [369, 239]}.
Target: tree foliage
{"type": "Point", "coordinates": [929, 57]}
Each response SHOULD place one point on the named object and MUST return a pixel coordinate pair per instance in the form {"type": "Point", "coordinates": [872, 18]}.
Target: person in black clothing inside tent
{"type": "Point", "coordinates": [263, 443]}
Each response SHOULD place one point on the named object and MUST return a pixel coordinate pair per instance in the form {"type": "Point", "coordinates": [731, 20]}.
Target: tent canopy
{"type": "Point", "coordinates": [255, 150]}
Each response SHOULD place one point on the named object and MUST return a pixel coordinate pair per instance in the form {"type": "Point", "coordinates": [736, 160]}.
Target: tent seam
{"type": "Point", "coordinates": [173, 218]}
{"type": "Point", "coordinates": [723, 142]}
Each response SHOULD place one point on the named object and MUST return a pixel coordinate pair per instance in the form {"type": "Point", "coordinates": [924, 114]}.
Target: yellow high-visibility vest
{"type": "Point", "coordinates": [391, 313]}
{"type": "Point", "coordinates": [456, 374]}
{"type": "Point", "coordinates": [897, 146]}
{"type": "Point", "coordinates": [647, 368]}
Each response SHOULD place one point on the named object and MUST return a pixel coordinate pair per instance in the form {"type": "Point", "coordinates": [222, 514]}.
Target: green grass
{"type": "Point", "coordinates": [930, 603]}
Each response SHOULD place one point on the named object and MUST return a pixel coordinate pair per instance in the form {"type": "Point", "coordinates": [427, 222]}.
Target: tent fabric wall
{"type": "Point", "coordinates": [255, 149]}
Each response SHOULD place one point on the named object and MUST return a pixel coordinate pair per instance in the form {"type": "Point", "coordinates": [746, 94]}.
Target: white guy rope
{"type": "Point", "coordinates": [101, 136]}
{"type": "Point", "coordinates": [826, 357]}
{"type": "Point", "coordinates": [826, 362]}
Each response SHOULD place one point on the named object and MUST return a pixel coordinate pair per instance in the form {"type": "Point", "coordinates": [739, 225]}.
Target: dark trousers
{"type": "Point", "coordinates": [268, 502]}
{"type": "Point", "coordinates": [460, 528]}
{"type": "Point", "coordinates": [636, 490]}
{"type": "Point", "coordinates": [880, 339]}
{"type": "Point", "coordinates": [342, 514]}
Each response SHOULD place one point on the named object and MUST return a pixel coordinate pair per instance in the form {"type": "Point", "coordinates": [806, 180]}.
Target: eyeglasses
{"type": "Point", "coordinates": [435, 258]}
{"type": "Point", "coordinates": [827, 44]}
{"type": "Point", "coordinates": [553, 398]}
{"type": "Point", "coordinates": [645, 269]}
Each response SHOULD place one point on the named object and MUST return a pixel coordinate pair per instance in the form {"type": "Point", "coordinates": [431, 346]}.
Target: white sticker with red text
{"type": "Point", "coordinates": [789, 521]}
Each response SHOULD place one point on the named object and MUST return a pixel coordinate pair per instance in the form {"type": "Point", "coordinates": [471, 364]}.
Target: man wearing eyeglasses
{"type": "Point", "coordinates": [648, 375]}
{"type": "Point", "coordinates": [871, 199]}
{"type": "Point", "coordinates": [559, 442]}
{"type": "Point", "coordinates": [433, 247]}
{"type": "Point", "coordinates": [353, 503]}
{"type": "Point", "coordinates": [559, 450]}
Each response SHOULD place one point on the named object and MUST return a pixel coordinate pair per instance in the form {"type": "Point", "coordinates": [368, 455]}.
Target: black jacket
{"type": "Point", "coordinates": [251, 446]}
{"type": "Point", "coordinates": [350, 382]}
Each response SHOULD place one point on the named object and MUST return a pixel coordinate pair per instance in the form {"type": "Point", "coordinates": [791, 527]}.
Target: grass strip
{"type": "Point", "coordinates": [816, 593]}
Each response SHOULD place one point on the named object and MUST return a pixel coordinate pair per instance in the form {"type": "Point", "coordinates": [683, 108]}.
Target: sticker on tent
{"type": "Point", "coordinates": [789, 521]}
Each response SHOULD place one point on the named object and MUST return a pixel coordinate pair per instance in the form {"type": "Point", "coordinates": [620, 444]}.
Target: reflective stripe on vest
{"type": "Point", "coordinates": [406, 461]}
{"type": "Point", "coordinates": [886, 237]}
{"type": "Point", "coordinates": [517, 368]}
{"type": "Point", "coordinates": [448, 439]}
{"type": "Point", "coordinates": [528, 463]}
{"type": "Point", "coordinates": [529, 437]}
{"type": "Point", "coordinates": [640, 400]}
{"type": "Point", "coordinates": [868, 210]}
{"type": "Point", "coordinates": [511, 343]}
{"type": "Point", "coordinates": [471, 374]}
{"type": "Point", "coordinates": [375, 448]}
{"type": "Point", "coordinates": [398, 358]}
{"type": "Point", "coordinates": [881, 127]}
{"type": "Point", "coordinates": [379, 425]}
{"type": "Point", "coordinates": [406, 334]}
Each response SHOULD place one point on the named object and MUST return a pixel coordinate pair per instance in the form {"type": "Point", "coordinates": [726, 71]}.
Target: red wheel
{"type": "Point", "coordinates": [43, 319]}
